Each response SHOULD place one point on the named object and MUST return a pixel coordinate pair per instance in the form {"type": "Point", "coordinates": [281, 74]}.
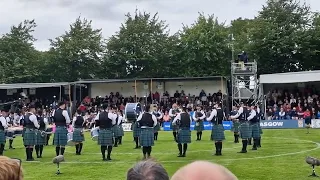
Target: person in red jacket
{"type": "Point", "coordinates": [307, 119]}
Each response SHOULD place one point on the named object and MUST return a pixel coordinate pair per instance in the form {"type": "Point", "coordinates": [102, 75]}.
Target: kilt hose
{"type": "Point", "coordinates": [255, 133]}
{"type": "Point", "coordinates": [78, 135]}
{"type": "Point", "coordinates": [199, 126]}
{"type": "Point", "coordinates": [29, 138]}
{"type": "Point", "coordinates": [235, 127]}
{"type": "Point", "coordinates": [184, 136]}
{"type": "Point", "coordinates": [156, 128]}
{"type": "Point", "coordinates": [147, 137]}
{"type": "Point", "coordinates": [40, 140]}
{"type": "Point", "coordinates": [121, 130]}
{"type": "Point", "coordinates": [245, 132]}
{"type": "Point", "coordinates": [136, 130]}
{"type": "Point", "coordinates": [105, 137]}
{"type": "Point", "coordinates": [217, 133]}
{"type": "Point", "coordinates": [60, 136]}
{"type": "Point", "coordinates": [116, 131]}
{"type": "Point", "coordinates": [173, 127]}
{"type": "Point", "coordinates": [2, 137]}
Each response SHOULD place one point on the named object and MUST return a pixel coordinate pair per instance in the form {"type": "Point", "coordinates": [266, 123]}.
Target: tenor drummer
{"type": "Point", "coordinates": [198, 117]}
{"type": "Point", "coordinates": [62, 120]}
{"type": "Point", "coordinates": [173, 113]}
{"type": "Point", "coordinates": [29, 138]}
{"type": "Point", "coordinates": [147, 121]}
{"type": "Point", "coordinates": [3, 127]}
{"type": "Point", "coordinates": [184, 133]}
{"type": "Point", "coordinates": [41, 133]}
{"type": "Point", "coordinates": [120, 121]}
{"type": "Point", "coordinates": [217, 133]}
{"type": "Point", "coordinates": [105, 120]}
{"type": "Point", "coordinates": [78, 136]}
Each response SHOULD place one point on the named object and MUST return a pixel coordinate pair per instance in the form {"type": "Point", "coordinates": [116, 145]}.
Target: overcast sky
{"type": "Point", "coordinates": [54, 16]}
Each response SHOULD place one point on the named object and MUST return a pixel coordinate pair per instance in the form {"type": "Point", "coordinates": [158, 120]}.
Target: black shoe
{"type": "Point", "coordinates": [180, 155]}
{"type": "Point", "coordinates": [136, 147]}
{"type": "Point", "coordinates": [104, 159]}
{"type": "Point", "coordinates": [243, 151]}
{"type": "Point", "coordinates": [115, 146]}
{"type": "Point", "coordinates": [109, 159]}
{"type": "Point", "coordinates": [254, 148]}
{"type": "Point", "coordinates": [183, 155]}
{"type": "Point", "coordinates": [38, 156]}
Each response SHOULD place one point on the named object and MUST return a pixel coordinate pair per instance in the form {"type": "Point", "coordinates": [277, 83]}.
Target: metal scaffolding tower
{"type": "Point", "coordinates": [244, 82]}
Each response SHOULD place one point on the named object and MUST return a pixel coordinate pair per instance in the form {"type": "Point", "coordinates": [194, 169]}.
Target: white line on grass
{"type": "Point", "coordinates": [182, 161]}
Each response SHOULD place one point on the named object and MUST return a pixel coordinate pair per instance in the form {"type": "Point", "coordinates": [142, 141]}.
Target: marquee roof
{"type": "Point", "coordinates": [292, 77]}
{"type": "Point", "coordinates": [32, 85]}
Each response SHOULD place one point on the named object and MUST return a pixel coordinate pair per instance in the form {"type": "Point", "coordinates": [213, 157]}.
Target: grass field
{"type": "Point", "coordinates": [282, 156]}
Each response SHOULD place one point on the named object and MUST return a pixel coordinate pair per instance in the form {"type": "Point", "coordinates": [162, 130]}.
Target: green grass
{"type": "Point", "coordinates": [279, 158]}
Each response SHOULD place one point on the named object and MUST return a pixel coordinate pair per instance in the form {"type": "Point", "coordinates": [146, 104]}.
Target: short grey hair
{"type": "Point", "coordinates": [147, 170]}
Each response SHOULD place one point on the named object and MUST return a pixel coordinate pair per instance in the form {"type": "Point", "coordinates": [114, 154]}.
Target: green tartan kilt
{"type": "Point", "coordinates": [146, 137]}
{"type": "Point", "coordinates": [105, 137]}
{"type": "Point", "coordinates": [184, 136]}
{"type": "Point", "coordinates": [60, 136]}
{"type": "Point", "coordinates": [157, 127]}
{"type": "Point", "coordinates": [29, 138]}
{"type": "Point", "coordinates": [235, 127]}
{"type": "Point", "coordinates": [116, 131]}
{"type": "Point", "coordinates": [2, 137]}
{"type": "Point", "coordinates": [245, 132]}
{"type": "Point", "coordinates": [260, 129]}
{"type": "Point", "coordinates": [217, 133]}
{"type": "Point", "coordinates": [136, 130]}
{"type": "Point", "coordinates": [199, 126]}
{"type": "Point", "coordinates": [255, 133]}
{"type": "Point", "coordinates": [40, 140]}
{"type": "Point", "coordinates": [173, 127]}
{"type": "Point", "coordinates": [121, 130]}
{"type": "Point", "coordinates": [78, 135]}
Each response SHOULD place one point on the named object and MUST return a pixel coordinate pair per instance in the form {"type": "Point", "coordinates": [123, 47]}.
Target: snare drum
{"type": "Point", "coordinates": [95, 134]}
{"type": "Point", "coordinates": [18, 131]}
{"type": "Point", "coordinates": [132, 111]}
{"type": "Point", "coordinates": [70, 139]}
{"type": "Point", "coordinates": [49, 129]}
{"type": "Point", "coordinates": [10, 133]}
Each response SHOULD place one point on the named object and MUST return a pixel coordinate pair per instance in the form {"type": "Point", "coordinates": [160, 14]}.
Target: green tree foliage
{"type": "Point", "coordinates": [78, 54]}
{"type": "Point", "coordinates": [141, 47]}
{"type": "Point", "coordinates": [18, 58]}
{"type": "Point", "coordinates": [205, 48]}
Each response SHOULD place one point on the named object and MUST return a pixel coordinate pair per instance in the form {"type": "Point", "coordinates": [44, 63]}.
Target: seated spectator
{"type": "Point", "coordinates": [147, 170]}
{"type": "Point", "coordinates": [10, 169]}
{"type": "Point", "coordinates": [282, 114]}
{"type": "Point", "coordinates": [202, 170]}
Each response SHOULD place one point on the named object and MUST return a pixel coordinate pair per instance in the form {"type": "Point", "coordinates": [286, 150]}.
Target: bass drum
{"type": "Point", "coordinates": [132, 111]}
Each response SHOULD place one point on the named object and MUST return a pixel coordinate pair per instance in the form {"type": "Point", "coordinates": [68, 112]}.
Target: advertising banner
{"type": "Point", "coordinates": [315, 123]}
{"type": "Point", "coordinates": [282, 124]}
{"type": "Point", "coordinates": [207, 125]}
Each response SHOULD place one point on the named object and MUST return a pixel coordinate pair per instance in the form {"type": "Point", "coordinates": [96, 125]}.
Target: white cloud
{"type": "Point", "coordinates": [54, 17]}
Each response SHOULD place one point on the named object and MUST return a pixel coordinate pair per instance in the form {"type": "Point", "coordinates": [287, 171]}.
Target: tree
{"type": "Point", "coordinates": [78, 53]}
{"type": "Point", "coordinates": [205, 48]}
{"type": "Point", "coordinates": [18, 57]}
{"type": "Point", "coordinates": [278, 36]}
{"type": "Point", "coordinates": [141, 48]}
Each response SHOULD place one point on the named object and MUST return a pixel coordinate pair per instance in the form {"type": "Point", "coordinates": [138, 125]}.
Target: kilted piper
{"type": "Point", "coordinates": [235, 125]}
{"type": "Point", "coordinates": [199, 117]}
{"type": "Point", "coordinates": [217, 133]}
{"type": "Point", "coordinates": [29, 138]}
{"type": "Point", "coordinates": [245, 133]}
{"type": "Point", "coordinates": [116, 130]}
{"type": "Point", "coordinates": [254, 124]}
{"type": "Point", "coordinates": [158, 115]}
{"type": "Point", "coordinates": [136, 133]}
{"type": "Point", "coordinates": [78, 136]}
{"type": "Point", "coordinates": [11, 134]}
{"type": "Point", "coordinates": [120, 121]}
{"type": "Point", "coordinates": [41, 133]}
{"type": "Point", "coordinates": [173, 113]}
{"type": "Point", "coordinates": [183, 120]}
{"type": "Point", "coordinates": [105, 120]}
{"type": "Point", "coordinates": [62, 120]}
{"type": "Point", "coordinates": [3, 127]}
{"type": "Point", "coordinates": [147, 121]}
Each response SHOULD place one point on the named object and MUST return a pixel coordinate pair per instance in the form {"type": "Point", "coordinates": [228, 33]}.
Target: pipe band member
{"type": "Point", "coordinates": [217, 133]}
{"type": "Point", "coordinates": [78, 136]}
{"type": "Point", "coordinates": [147, 121]}
{"type": "Point", "coordinates": [62, 120]}
{"type": "Point", "coordinates": [199, 117]}
{"type": "Point", "coordinates": [183, 120]}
